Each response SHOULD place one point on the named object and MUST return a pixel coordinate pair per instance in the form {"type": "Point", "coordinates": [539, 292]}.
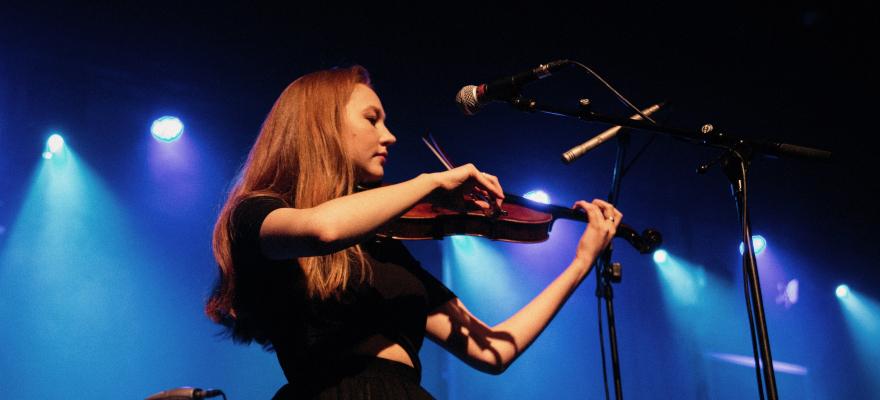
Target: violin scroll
{"type": "Point", "coordinates": [649, 241]}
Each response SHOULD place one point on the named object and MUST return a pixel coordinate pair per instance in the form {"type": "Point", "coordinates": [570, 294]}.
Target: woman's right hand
{"type": "Point", "coordinates": [467, 179]}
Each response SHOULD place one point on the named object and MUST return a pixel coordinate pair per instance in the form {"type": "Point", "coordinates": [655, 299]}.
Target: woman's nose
{"type": "Point", "coordinates": [387, 138]}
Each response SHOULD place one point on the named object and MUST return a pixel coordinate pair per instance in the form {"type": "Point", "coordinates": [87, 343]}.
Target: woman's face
{"type": "Point", "coordinates": [366, 136]}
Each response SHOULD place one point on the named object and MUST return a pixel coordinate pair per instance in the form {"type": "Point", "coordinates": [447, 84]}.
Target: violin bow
{"type": "Point", "coordinates": [435, 148]}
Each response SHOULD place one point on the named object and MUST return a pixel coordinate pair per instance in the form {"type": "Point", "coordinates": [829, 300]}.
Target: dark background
{"type": "Point", "coordinates": [799, 73]}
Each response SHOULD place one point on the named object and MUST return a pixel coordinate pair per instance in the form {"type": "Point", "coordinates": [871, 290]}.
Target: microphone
{"type": "Point", "coordinates": [186, 393]}
{"type": "Point", "coordinates": [576, 152]}
{"type": "Point", "coordinates": [473, 97]}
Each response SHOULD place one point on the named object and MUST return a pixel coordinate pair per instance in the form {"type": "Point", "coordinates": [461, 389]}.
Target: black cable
{"type": "Point", "coordinates": [602, 346]}
{"type": "Point", "coordinates": [638, 154]}
{"type": "Point", "coordinates": [629, 104]}
{"type": "Point", "coordinates": [616, 93]}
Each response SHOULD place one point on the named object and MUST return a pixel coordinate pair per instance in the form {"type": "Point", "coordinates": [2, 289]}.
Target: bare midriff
{"type": "Point", "coordinates": [380, 346]}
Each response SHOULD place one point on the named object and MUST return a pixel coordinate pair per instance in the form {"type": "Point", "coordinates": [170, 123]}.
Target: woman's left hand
{"type": "Point", "coordinates": [603, 220]}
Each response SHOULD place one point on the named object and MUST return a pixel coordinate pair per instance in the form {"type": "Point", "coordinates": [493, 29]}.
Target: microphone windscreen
{"type": "Point", "coordinates": [467, 100]}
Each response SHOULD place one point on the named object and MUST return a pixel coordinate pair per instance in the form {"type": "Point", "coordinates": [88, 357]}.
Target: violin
{"type": "Point", "coordinates": [518, 219]}
{"type": "Point", "coordinates": [521, 221]}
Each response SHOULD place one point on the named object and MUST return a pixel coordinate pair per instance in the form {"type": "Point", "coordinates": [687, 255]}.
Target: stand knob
{"type": "Point", "coordinates": [614, 272]}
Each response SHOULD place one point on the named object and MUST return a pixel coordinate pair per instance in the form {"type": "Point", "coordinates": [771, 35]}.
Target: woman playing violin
{"type": "Point", "coordinates": [303, 273]}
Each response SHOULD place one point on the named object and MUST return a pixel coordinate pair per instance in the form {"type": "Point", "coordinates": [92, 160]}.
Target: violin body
{"type": "Point", "coordinates": [428, 221]}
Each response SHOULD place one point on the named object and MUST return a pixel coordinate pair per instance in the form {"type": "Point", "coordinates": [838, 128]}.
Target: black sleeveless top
{"type": "Point", "coordinates": [313, 336]}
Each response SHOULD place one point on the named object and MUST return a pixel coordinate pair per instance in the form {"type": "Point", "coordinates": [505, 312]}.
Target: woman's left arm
{"type": "Point", "coordinates": [493, 349]}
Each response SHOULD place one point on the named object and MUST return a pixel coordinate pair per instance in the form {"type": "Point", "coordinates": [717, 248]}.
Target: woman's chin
{"type": "Point", "coordinates": [372, 176]}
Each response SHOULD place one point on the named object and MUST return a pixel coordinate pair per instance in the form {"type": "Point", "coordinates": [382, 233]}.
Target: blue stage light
{"type": "Point", "coordinates": [55, 143]}
{"type": "Point", "coordinates": [758, 241]}
{"type": "Point", "coordinates": [167, 129]}
{"type": "Point", "coordinates": [862, 315]}
{"type": "Point", "coordinates": [539, 196]}
{"type": "Point", "coordinates": [660, 256]}
{"type": "Point", "coordinates": [54, 146]}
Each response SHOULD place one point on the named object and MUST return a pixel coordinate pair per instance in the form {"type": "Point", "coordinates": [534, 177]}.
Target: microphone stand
{"type": "Point", "coordinates": [608, 273]}
{"type": "Point", "coordinates": [735, 162]}
{"type": "Point", "coordinates": [735, 165]}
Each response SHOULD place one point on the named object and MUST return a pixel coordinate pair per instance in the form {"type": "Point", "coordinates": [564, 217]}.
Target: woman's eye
{"type": "Point", "coordinates": [373, 120]}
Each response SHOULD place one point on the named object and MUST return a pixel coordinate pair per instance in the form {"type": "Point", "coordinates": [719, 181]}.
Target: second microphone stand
{"type": "Point", "coordinates": [738, 154]}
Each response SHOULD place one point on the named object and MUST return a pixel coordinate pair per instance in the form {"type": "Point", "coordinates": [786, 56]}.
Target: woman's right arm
{"type": "Point", "coordinates": [342, 222]}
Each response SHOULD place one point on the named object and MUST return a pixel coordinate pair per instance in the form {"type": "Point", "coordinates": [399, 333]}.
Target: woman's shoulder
{"type": "Point", "coordinates": [248, 217]}
{"type": "Point", "coordinates": [248, 208]}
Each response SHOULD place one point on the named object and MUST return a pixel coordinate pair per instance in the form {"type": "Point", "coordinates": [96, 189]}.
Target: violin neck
{"type": "Point", "coordinates": [556, 211]}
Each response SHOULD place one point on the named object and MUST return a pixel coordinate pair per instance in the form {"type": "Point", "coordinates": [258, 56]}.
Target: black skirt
{"type": "Point", "coordinates": [361, 377]}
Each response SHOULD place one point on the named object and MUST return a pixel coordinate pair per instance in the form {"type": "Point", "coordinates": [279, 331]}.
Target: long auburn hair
{"type": "Point", "coordinates": [300, 158]}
